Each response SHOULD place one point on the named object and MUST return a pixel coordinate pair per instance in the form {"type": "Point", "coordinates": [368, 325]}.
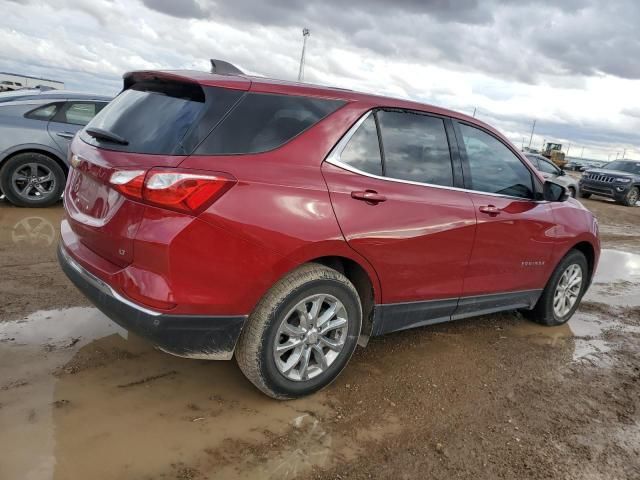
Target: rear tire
{"type": "Point", "coordinates": [32, 180]}
{"type": "Point", "coordinates": [561, 296]}
{"type": "Point", "coordinates": [585, 195]}
{"type": "Point", "coordinates": [284, 317]}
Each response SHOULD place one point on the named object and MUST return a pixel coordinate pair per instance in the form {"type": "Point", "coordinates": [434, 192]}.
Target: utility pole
{"type": "Point", "coordinates": [474, 112]}
{"type": "Point", "coordinates": [533, 127]}
{"type": "Point", "coordinates": [305, 34]}
{"type": "Point", "coordinates": [617, 153]}
{"type": "Point", "coordinates": [624, 152]}
{"type": "Point", "coordinates": [582, 154]}
{"type": "Point", "coordinates": [568, 149]}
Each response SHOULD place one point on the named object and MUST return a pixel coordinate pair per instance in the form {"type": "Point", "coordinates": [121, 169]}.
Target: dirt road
{"type": "Point", "coordinates": [486, 398]}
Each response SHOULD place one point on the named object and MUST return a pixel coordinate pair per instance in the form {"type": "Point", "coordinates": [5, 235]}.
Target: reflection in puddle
{"type": "Point", "coordinates": [29, 227]}
{"type": "Point", "coordinates": [617, 280]}
{"type": "Point", "coordinates": [33, 231]}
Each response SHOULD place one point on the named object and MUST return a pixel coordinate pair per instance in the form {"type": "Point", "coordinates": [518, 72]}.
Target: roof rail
{"type": "Point", "coordinates": [224, 68]}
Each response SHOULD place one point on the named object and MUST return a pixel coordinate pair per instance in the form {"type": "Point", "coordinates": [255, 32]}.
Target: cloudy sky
{"type": "Point", "coordinates": [573, 65]}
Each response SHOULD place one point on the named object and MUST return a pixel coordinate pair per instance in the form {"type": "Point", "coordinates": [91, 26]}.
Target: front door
{"type": "Point", "coordinates": [396, 208]}
{"type": "Point", "coordinates": [513, 244]}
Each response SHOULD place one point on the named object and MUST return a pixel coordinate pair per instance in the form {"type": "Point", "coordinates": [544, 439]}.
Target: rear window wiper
{"type": "Point", "coordinates": [101, 134]}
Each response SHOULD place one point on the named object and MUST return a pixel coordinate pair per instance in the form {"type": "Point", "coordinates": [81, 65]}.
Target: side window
{"type": "Point", "coordinates": [262, 122]}
{"type": "Point", "coordinates": [43, 113]}
{"type": "Point", "coordinates": [493, 167]}
{"type": "Point", "coordinates": [81, 113]}
{"type": "Point", "coordinates": [415, 148]}
{"type": "Point", "coordinates": [363, 150]}
{"type": "Point", "coordinates": [546, 167]}
{"type": "Point", "coordinates": [534, 161]}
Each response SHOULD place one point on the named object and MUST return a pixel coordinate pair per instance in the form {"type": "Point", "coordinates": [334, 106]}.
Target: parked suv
{"type": "Point", "coordinates": [283, 223]}
{"type": "Point", "coordinates": [619, 180]}
{"type": "Point", "coordinates": [36, 128]}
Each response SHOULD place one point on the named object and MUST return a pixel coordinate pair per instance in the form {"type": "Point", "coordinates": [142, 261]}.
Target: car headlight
{"type": "Point", "coordinates": [623, 180]}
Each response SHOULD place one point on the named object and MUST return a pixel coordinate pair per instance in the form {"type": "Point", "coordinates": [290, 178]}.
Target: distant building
{"type": "Point", "coordinates": [15, 81]}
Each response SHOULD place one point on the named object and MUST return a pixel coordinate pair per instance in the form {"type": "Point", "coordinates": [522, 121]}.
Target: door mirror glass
{"type": "Point", "coordinates": [554, 193]}
{"type": "Point", "coordinates": [562, 173]}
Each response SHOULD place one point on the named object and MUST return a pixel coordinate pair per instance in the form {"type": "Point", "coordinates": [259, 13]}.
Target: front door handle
{"type": "Point", "coordinates": [490, 210]}
{"type": "Point", "coordinates": [370, 196]}
{"type": "Point", "coordinates": [67, 135]}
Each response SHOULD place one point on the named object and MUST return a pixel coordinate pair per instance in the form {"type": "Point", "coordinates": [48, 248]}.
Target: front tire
{"type": "Point", "coordinates": [32, 180]}
{"type": "Point", "coordinates": [563, 292]}
{"type": "Point", "coordinates": [302, 333]}
{"type": "Point", "coordinates": [632, 197]}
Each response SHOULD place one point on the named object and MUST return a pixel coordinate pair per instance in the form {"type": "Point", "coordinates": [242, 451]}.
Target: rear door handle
{"type": "Point", "coordinates": [68, 135]}
{"type": "Point", "coordinates": [369, 196]}
{"type": "Point", "coordinates": [490, 210]}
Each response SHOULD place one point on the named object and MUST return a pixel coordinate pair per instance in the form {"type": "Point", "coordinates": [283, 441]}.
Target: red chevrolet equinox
{"type": "Point", "coordinates": [219, 214]}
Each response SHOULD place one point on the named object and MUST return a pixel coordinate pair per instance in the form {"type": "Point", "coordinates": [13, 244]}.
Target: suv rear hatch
{"type": "Point", "coordinates": [156, 121]}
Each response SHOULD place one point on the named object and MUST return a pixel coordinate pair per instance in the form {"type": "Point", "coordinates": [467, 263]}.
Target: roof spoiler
{"type": "Point", "coordinates": [224, 68]}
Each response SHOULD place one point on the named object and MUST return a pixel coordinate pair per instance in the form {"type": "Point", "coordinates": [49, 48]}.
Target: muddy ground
{"type": "Point", "coordinates": [492, 397]}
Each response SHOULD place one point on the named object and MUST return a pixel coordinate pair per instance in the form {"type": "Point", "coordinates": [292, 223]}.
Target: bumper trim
{"type": "Point", "coordinates": [100, 285]}
{"type": "Point", "coordinates": [207, 337]}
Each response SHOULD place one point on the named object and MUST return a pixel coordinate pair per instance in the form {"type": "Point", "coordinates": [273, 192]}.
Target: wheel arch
{"type": "Point", "coordinates": [49, 152]}
{"type": "Point", "coordinates": [589, 252]}
{"type": "Point", "coordinates": [363, 283]}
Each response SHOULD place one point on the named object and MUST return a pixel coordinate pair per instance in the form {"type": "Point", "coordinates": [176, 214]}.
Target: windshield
{"type": "Point", "coordinates": [624, 166]}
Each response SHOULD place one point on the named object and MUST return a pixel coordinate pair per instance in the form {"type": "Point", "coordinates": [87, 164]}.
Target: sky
{"type": "Point", "coordinates": [573, 66]}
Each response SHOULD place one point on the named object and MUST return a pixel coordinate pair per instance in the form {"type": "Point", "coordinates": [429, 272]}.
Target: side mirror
{"type": "Point", "coordinates": [562, 173]}
{"type": "Point", "coordinates": [552, 192]}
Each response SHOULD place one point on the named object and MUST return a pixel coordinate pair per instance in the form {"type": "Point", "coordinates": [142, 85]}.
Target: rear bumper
{"type": "Point", "coordinates": [192, 336]}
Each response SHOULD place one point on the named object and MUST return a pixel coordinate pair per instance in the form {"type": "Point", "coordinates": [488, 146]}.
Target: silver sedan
{"type": "Point", "coordinates": [35, 130]}
{"type": "Point", "coordinates": [551, 172]}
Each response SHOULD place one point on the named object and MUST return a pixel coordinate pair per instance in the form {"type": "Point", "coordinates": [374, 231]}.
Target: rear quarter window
{"type": "Point", "coordinates": [45, 112]}
{"type": "Point", "coordinates": [263, 122]}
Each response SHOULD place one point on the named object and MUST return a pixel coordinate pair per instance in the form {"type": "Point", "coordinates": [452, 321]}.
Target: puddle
{"type": "Point", "coordinates": [616, 287]}
{"type": "Point", "coordinates": [71, 382]}
{"type": "Point", "coordinates": [617, 280]}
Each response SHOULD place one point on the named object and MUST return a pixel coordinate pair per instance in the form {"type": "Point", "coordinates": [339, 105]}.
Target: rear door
{"type": "Point", "coordinates": [71, 117]}
{"type": "Point", "coordinates": [391, 181]}
{"type": "Point", "coordinates": [514, 236]}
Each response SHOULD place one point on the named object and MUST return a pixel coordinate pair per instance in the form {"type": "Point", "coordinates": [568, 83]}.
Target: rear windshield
{"type": "Point", "coordinates": [262, 122]}
{"type": "Point", "coordinates": [160, 117]}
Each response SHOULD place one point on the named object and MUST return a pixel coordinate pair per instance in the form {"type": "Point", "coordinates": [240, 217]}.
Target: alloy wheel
{"type": "Point", "coordinates": [33, 181]}
{"type": "Point", "coordinates": [310, 337]}
{"type": "Point", "coordinates": [567, 290]}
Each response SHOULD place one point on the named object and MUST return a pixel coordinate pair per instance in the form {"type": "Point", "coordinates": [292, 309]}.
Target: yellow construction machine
{"type": "Point", "coordinates": [553, 151]}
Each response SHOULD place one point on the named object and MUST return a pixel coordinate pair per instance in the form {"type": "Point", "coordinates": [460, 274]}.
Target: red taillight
{"type": "Point", "coordinates": [180, 190]}
{"type": "Point", "coordinates": [128, 182]}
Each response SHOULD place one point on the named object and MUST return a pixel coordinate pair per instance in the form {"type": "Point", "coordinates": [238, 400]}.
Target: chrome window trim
{"type": "Point", "coordinates": [102, 286]}
{"type": "Point", "coordinates": [334, 159]}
